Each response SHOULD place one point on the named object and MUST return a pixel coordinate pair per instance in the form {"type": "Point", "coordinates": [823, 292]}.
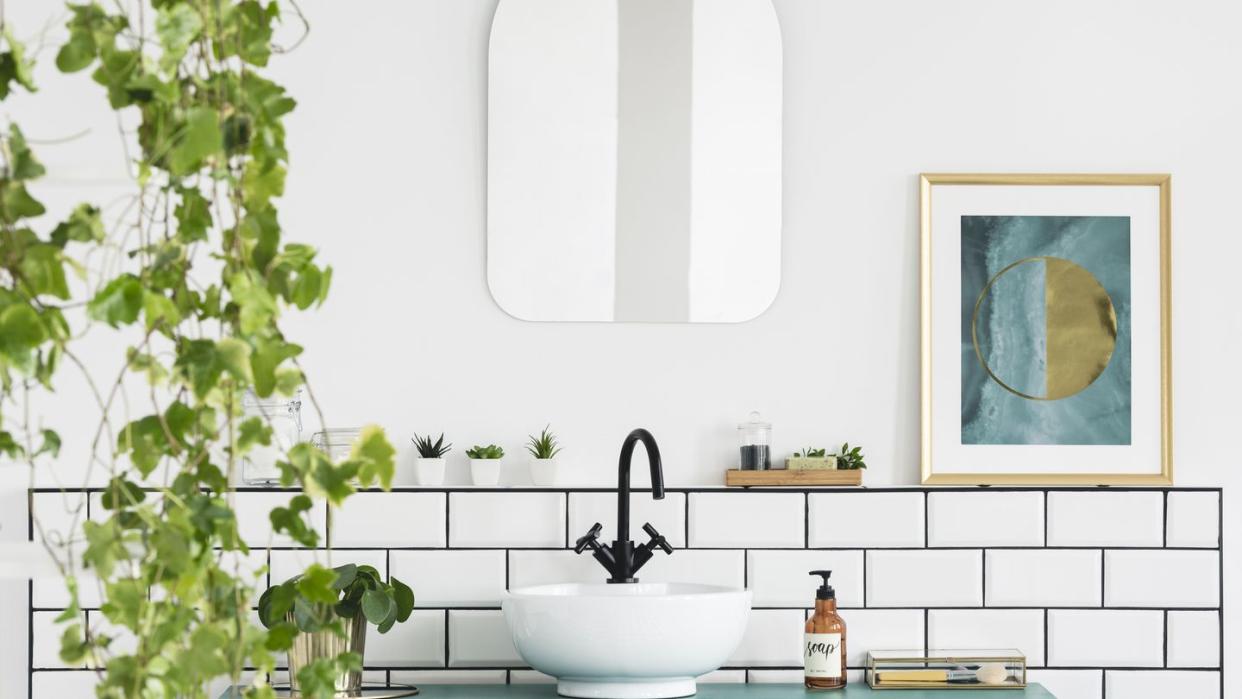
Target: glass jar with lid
{"type": "Point", "coordinates": [284, 416]}
{"type": "Point", "coordinates": [336, 442]}
{"type": "Point", "coordinates": [755, 444]}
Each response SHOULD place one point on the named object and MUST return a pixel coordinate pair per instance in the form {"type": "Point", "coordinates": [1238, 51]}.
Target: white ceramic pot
{"type": "Point", "coordinates": [635, 641]}
{"type": "Point", "coordinates": [485, 472]}
{"type": "Point", "coordinates": [543, 471]}
{"type": "Point", "coordinates": [429, 471]}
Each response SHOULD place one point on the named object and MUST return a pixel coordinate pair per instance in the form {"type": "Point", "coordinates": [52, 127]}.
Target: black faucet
{"type": "Point", "coordinates": [622, 560]}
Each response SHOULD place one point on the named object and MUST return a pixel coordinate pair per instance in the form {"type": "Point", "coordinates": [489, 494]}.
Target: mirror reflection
{"type": "Point", "coordinates": [634, 159]}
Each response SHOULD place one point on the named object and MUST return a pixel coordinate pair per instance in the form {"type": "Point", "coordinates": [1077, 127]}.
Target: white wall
{"type": "Point", "coordinates": [388, 172]}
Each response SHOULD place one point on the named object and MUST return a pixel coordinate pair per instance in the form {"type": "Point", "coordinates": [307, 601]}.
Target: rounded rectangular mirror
{"type": "Point", "coordinates": [634, 159]}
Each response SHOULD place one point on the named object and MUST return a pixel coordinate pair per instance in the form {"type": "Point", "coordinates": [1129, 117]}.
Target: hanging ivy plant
{"type": "Point", "coordinates": [200, 276]}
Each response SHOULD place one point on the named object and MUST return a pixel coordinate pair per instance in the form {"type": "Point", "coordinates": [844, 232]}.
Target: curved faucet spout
{"type": "Point", "coordinates": [623, 477]}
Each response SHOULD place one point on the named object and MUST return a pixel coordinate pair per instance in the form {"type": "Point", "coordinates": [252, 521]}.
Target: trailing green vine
{"type": "Point", "coordinates": [205, 276]}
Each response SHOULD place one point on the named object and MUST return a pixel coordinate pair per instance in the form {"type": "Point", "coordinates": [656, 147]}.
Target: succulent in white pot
{"type": "Point", "coordinates": [429, 464]}
{"type": "Point", "coordinates": [485, 464]}
{"type": "Point", "coordinates": [543, 450]}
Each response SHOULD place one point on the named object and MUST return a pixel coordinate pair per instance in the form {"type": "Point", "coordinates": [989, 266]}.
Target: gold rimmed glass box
{"type": "Point", "coordinates": [946, 669]}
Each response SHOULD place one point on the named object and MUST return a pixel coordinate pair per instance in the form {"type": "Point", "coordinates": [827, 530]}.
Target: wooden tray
{"type": "Point", "coordinates": [786, 478]}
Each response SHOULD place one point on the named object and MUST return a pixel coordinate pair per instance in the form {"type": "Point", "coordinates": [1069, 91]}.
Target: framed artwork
{"type": "Point", "coordinates": [1046, 329]}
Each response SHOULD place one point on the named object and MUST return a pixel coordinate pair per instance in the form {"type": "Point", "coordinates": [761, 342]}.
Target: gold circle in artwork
{"type": "Point", "coordinates": [1080, 328]}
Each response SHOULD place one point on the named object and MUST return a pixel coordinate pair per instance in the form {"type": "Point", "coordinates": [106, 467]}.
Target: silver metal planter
{"type": "Point", "coordinates": [309, 647]}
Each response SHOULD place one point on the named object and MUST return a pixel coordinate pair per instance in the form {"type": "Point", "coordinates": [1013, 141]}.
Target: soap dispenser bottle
{"type": "Point", "coordinates": [823, 652]}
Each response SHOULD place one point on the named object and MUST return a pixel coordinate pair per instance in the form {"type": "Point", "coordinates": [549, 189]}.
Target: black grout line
{"type": "Point", "coordinates": [926, 518]}
{"type": "Point", "coordinates": [1103, 579]}
{"type": "Point", "coordinates": [566, 506]}
{"type": "Point", "coordinates": [446, 638]}
{"type": "Point", "coordinates": [448, 541]}
{"type": "Point", "coordinates": [1220, 598]}
{"type": "Point", "coordinates": [1164, 518]}
{"type": "Point", "coordinates": [806, 520]}
{"type": "Point", "coordinates": [1046, 636]}
{"type": "Point", "coordinates": [686, 523]}
{"type": "Point", "coordinates": [1046, 519]}
{"type": "Point", "coordinates": [717, 489]}
{"type": "Point", "coordinates": [1165, 650]}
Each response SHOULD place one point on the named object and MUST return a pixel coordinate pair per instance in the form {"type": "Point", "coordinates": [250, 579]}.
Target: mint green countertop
{"type": "Point", "coordinates": [736, 691]}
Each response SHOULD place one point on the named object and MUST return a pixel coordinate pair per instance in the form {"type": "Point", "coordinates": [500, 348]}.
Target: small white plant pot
{"type": "Point", "coordinates": [429, 471]}
{"type": "Point", "coordinates": [543, 471]}
{"type": "Point", "coordinates": [485, 472]}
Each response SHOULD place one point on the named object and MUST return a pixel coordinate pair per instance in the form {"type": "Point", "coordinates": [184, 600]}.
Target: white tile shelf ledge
{"type": "Point", "coordinates": [1106, 590]}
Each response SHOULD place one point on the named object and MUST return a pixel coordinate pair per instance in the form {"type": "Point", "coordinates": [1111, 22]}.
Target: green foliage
{"type": "Point", "coordinates": [195, 277]}
{"type": "Point", "coordinates": [545, 446]}
{"type": "Point", "coordinates": [850, 459]}
{"type": "Point", "coordinates": [811, 453]}
{"type": "Point", "coordinates": [490, 451]}
{"type": "Point", "coordinates": [428, 449]}
{"type": "Point", "coordinates": [314, 600]}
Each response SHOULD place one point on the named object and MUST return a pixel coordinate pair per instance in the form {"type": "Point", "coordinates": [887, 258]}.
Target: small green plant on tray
{"type": "Point", "coordinates": [319, 596]}
{"type": "Point", "coordinates": [431, 450]}
{"type": "Point", "coordinates": [490, 451]}
{"type": "Point", "coordinates": [811, 453]}
{"type": "Point", "coordinates": [545, 446]}
{"type": "Point", "coordinates": [850, 459]}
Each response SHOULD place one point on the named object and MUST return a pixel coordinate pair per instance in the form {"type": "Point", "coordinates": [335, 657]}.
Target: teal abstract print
{"type": "Point", "coordinates": [1045, 329]}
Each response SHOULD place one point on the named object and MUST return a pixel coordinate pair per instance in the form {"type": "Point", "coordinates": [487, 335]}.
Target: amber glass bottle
{"type": "Point", "coordinates": [823, 652]}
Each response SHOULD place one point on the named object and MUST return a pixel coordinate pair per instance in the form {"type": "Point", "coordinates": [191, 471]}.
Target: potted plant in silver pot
{"type": "Point", "coordinates": [325, 612]}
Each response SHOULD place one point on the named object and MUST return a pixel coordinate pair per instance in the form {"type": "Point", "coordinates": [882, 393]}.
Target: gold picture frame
{"type": "Point", "coordinates": [931, 476]}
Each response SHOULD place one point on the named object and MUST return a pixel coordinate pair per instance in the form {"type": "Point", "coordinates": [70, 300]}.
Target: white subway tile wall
{"type": "Point", "coordinates": [780, 578]}
{"type": "Point", "coordinates": [1105, 638]}
{"type": "Point", "coordinates": [1121, 600]}
{"type": "Point", "coordinates": [1162, 684]}
{"type": "Point", "coordinates": [506, 520]}
{"type": "Point", "coordinates": [989, 628]}
{"type": "Point", "coordinates": [366, 520]}
{"type": "Point", "coordinates": [985, 519]}
{"type": "Point", "coordinates": [747, 520]}
{"type": "Point", "coordinates": [1042, 578]}
{"type": "Point", "coordinates": [1115, 518]}
{"type": "Point", "coordinates": [1161, 579]}
{"type": "Point", "coordinates": [867, 520]}
{"type": "Point", "coordinates": [1194, 639]}
{"type": "Point", "coordinates": [1194, 520]}
{"type": "Point", "coordinates": [931, 578]}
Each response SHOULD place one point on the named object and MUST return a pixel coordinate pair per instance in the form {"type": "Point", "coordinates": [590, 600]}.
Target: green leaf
{"type": "Point", "coordinates": [158, 308]}
{"type": "Point", "coordinates": [16, 203]}
{"type": "Point", "coordinates": [261, 182]}
{"type": "Point", "coordinates": [307, 287]}
{"type": "Point", "coordinates": [84, 225]}
{"type": "Point", "coordinates": [377, 605]}
{"type": "Point", "coordinates": [234, 357]}
{"type": "Point", "coordinates": [280, 636]}
{"type": "Point", "coordinates": [43, 270]}
{"type": "Point", "coordinates": [176, 26]}
{"type": "Point", "coordinates": [375, 455]}
{"type": "Point", "coordinates": [118, 303]}
{"type": "Point", "coordinates": [256, 307]}
{"type": "Point", "coordinates": [199, 139]}
{"type": "Point", "coordinates": [315, 585]}
{"type": "Point", "coordinates": [193, 215]}
{"type": "Point", "coordinates": [344, 576]}
{"type": "Point", "coordinates": [253, 431]}
{"type": "Point", "coordinates": [51, 444]}
{"type": "Point", "coordinates": [265, 362]}
{"type": "Point", "coordinates": [21, 330]}
{"type": "Point", "coordinates": [22, 163]}
{"type": "Point", "coordinates": [14, 67]}
{"type": "Point", "coordinates": [77, 53]}
{"type": "Point", "coordinates": [404, 597]}
{"type": "Point", "coordinates": [121, 493]}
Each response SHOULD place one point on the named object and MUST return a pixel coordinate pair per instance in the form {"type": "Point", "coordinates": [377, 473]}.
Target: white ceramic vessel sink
{"type": "Point", "coordinates": [629, 641]}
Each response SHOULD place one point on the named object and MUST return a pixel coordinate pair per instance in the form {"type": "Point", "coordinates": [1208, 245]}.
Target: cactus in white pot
{"type": "Point", "coordinates": [543, 450]}
{"type": "Point", "coordinates": [429, 465]}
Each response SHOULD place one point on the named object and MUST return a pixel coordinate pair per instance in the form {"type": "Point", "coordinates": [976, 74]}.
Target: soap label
{"type": "Point", "coordinates": [822, 655]}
